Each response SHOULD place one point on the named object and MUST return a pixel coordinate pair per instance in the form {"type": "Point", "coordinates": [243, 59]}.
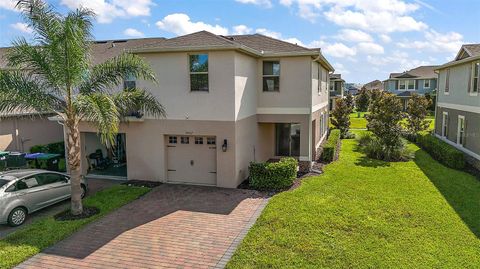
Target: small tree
{"type": "Point", "coordinates": [350, 102]}
{"type": "Point", "coordinates": [384, 122]}
{"type": "Point", "coordinates": [341, 117]}
{"type": "Point", "coordinates": [362, 100]}
{"type": "Point", "coordinates": [417, 111]}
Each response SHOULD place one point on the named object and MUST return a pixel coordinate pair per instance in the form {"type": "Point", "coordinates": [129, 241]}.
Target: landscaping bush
{"type": "Point", "coordinates": [273, 176]}
{"type": "Point", "coordinates": [55, 148]}
{"type": "Point", "coordinates": [330, 147]}
{"type": "Point", "coordinates": [442, 151]}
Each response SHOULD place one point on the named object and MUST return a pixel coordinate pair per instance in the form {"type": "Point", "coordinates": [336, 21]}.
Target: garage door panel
{"type": "Point", "coordinates": [191, 160]}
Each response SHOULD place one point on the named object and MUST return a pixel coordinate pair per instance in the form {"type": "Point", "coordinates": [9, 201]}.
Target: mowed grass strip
{"type": "Point", "coordinates": [364, 213]}
{"type": "Point", "coordinates": [22, 244]}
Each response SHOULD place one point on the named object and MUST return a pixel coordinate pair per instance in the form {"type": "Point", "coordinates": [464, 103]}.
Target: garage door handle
{"type": "Point", "coordinates": [171, 170]}
{"type": "Point", "coordinates": [212, 172]}
{"type": "Point", "coordinates": [171, 146]}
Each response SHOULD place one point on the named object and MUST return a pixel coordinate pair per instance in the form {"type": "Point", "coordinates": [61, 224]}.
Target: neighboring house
{"type": "Point", "coordinates": [421, 80]}
{"type": "Point", "coordinates": [337, 89]}
{"type": "Point", "coordinates": [21, 130]}
{"type": "Point", "coordinates": [352, 88]}
{"type": "Point", "coordinates": [457, 118]}
{"type": "Point", "coordinates": [230, 100]}
{"type": "Point", "coordinates": [375, 85]}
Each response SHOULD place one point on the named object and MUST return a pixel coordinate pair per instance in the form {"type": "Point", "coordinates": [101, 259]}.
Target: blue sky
{"type": "Point", "coordinates": [363, 39]}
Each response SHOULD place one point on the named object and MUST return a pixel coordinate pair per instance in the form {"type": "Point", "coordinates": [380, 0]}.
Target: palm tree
{"type": "Point", "coordinates": [56, 75]}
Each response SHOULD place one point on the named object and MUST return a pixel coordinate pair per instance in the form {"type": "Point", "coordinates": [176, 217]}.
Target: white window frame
{"type": "Point", "coordinates": [461, 118]}
{"type": "Point", "coordinates": [444, 130]}
{"type": "Point", "coordinates": [319, 76]}
{"type": "Point", "coordinates": [190, 73]}
{"type": "Point", "coordinates": [475, 76]}
{"type": "Point", "coordinates": [404, 85]}
{"type": "Point", "coordinates": [425, 81]}
{"type": "Point", "coordinates": [446, 90]}
{"type": "Point", "coordinates": [408, 85]}
{"type": "Point", "coordinates": [271, 76]}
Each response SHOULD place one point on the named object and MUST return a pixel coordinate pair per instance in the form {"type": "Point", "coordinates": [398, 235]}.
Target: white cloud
{"type": "Point", "coordinates": [180, 24]}
{"type": "Point", "coordinates": [241, 30]}
{"type": "Point", "coordinates": [376, 16]}
{"type": "Point", "coordinates": [370, 48]}
{"type": "Point", "coordinates": [269, 33]}
{"type": "Point", "coordinates": [338, 50]}
{"type": "Point", "coordinates": [22, 27]}
{"type": "Point", "coordinates": [8, 5]}
{"type": "Point", "coordinates": [385, 38]}
{"type": "Point", "coordinates": [263, 3]}
{"type": "Point", "coordinates": [354, 36]}
{"type": "Point", "coordinates": [340, 69]}
{"type": "Point", "coordinates": [398, 61]}
{"type": "Point", "coordinates": [437, 42]}
{"type": "Point", "coordinates": [133, 32]}
{"type": "Point", "coordinates": [294, 40]}
{"type": "Point", "coordinates": [108, 10]}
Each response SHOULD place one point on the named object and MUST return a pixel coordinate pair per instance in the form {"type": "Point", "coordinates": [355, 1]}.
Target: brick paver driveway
{"type": "Point", "coordinates": [173, 226]}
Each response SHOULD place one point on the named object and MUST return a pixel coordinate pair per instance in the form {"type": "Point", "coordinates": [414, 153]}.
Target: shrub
{"type": "Point", "coordinates": [38, 148]}
{"type": "Point", "coordinates": [417, 111]}
{"type": "Point", "coordinates": [273, 176]}
{"type": "Point", "coordinates": [55, 148]}
{"type": "Point", "coordinates": [362, 100]}
{"type": "Point", "coordinates": [341, 117]}
{"type": "Point", "coordinates": [330, 147]}
{"type": "Point", "coordinates": [441, 151]}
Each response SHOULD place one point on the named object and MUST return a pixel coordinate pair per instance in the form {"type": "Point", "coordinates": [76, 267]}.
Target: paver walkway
{"type": "Point", "coordinates": [173, 226]}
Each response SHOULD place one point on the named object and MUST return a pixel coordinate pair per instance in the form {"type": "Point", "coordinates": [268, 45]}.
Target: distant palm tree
{"type": "Point", "coordinates": [56, 75]}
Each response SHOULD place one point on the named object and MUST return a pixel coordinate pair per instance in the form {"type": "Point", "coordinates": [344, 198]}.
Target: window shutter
{"type": "Point", "coordinates": [415, 84]}
{"type": "Point", "coordinates": [464, 131]}
{"type": "Point", "coordinates": [470, 81]}
{"type": "Point", "coordinates": [396, 84]}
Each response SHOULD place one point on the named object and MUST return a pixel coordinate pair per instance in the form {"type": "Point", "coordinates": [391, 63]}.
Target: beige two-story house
{"type": "Point", "coordinates": [230, 100]}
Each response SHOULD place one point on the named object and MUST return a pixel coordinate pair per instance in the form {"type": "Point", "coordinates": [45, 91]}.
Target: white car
{"type": "Point", "coordinates": [28, 190]}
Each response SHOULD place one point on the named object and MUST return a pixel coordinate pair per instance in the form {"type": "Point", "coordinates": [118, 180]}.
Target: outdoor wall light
{"type": "Point", "coordinates": [224, 146]}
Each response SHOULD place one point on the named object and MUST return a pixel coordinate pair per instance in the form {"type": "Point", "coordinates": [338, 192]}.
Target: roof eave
{"type": "Point", "coordinates": [463, 61]}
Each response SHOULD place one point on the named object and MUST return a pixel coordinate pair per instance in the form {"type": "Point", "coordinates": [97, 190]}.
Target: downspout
{"type": "Point", "coordinates": [15, 126]}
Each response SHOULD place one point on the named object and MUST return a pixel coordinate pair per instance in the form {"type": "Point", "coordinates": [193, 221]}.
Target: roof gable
{"type": "Point", "coordinates": [468, 50]}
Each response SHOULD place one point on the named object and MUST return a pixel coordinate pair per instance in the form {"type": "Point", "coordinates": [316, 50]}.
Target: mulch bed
{"type": "Point", "coordinates": [67, 215]}
{"type": "Point", "coordinates": [142, 183]}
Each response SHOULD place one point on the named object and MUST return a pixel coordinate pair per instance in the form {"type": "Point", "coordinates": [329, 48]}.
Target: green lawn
{"type": "Point", "coordinates": [364, 213]}
{"type": "Point", "coordinates": [33, 238]}
{"type": "Point", "coordinates": [358, 121]}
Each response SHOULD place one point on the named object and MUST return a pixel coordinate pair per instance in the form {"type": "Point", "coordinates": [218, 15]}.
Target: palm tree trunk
{"type": "Point", "coordinates": [74, 159]}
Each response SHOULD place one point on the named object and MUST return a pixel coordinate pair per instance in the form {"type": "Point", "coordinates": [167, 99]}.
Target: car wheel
{"type": "Point", "coordinates": [84, 191]}
{"type": "Point", "coordinates": [17, 216]}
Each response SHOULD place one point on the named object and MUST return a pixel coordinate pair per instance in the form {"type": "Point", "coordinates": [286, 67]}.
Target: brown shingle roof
{"type": "Point", "coordinates": [374, 85]}
{"type": "Point", "coordinates": [420, 72]}
{"type": "Point", "coordinates": [198, 39]}
{"type": "Point", "coordinates": [472, 49]}
{"type": "Point", "coordinates": [102, 50]}
{"type": "Point", "coordinates": [267, 44]}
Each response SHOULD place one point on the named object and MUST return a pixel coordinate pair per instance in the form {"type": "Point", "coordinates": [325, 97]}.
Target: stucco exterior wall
{"type": "Point", "coordinates": [21, 133]}
{"type": "Point", "coordinates": [246, 82]}
{"type": "Point", "coordinates": [295, 80]}
{"type": "Point", "coordinates": [472, 127]}
{"type": "Point", "coordinates": [145, 146]}
{"type": "Point", "coordinates": [173, 88]}
{"type": "Point", "coordinates": [458, 90]}
{"type": "Point", "coordinates": [303, 120]}
{"type": "Point", "coordinates": [319, 98]}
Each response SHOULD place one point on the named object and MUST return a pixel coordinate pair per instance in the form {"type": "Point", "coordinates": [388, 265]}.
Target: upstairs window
{"type": "Point", "coordinates": [474, 88]}
{"type": "Point", "coordinates": [271, 76]}
{"type": "Point", "coordinates": [199, 72]}
{"type": "Point", "coordinates": [447, 82]}
{"type": "Point", "coordinates": [129, 82]}
{"type": "Point", "coordinates": [426, 84]}
{"type": "Point", "coordinates": [319, 75]}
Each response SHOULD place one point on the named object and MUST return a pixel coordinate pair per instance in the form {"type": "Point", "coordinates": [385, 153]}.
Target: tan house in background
{"type": "Point", "coordinates": [230, 100]}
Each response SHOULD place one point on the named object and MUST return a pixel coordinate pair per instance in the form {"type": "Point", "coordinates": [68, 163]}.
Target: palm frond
{"type": "Point", "coordinates": [111, 73]}
{"type": "Point", "coordinates": [21, 92]}
{"type": "Point", "coordinates": [42, 19]}
{"type": "Point", "coordinates": [99, 110]}
{"type": "Point", "coordinates": [134, 100]}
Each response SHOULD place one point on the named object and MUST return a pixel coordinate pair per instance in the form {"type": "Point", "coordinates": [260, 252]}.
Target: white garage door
{"type": "Point", "coordinates": [192, 159]}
